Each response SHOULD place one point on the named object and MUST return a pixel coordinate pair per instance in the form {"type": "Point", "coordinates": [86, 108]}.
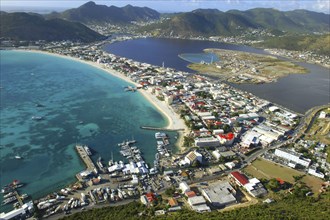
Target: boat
{"type": "Point", "coordinates": [9, 200]}
{"type": "Point", "coordinates": [88, 151]}
{"type": "Point", "coordinates": [99, 163]}
{"type": "Point", "coordinates": [9, 195]}
{"type": "Point", "coordinates": [9, 188]}
{"type": "Point", "coordinates": [160, 135]}
{"type": "Point", "coordinates": [18, 157]}
{"type": "Point", "coordinates": [37, 118]}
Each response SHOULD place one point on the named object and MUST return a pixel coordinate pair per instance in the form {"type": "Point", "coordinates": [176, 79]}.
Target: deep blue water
{"type": "Point", "coordinates": [82, 104]}
{"type": "Point", "coordinates": [298, 92]}
{"type": "Point", "coordinates": [158, 50]}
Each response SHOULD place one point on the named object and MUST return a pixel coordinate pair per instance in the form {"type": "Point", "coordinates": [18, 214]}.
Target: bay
{"type": "Point", "coordinates": [79, 104]}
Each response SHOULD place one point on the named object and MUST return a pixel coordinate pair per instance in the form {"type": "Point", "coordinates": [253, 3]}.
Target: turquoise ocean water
{"type": "Point", "coordinates": [79, 104]}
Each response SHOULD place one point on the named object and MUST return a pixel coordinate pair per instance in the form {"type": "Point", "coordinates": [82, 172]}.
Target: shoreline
{"type": "Point", "coordinates": [173, 120]}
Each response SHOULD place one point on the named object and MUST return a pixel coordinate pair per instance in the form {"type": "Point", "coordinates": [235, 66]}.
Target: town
{"type": "Point", "coordinates": [228, 137]}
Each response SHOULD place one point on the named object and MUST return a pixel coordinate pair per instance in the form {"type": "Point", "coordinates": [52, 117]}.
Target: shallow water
{"type": "Point", "coordinates": [79, 104]}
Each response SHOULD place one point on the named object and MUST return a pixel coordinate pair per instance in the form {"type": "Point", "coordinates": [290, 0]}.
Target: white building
{"type": "Point", "coordinates": [313, 171]}
{"type": "Point", "coordinates": [207, 142]}
{"type": "Point", "coordinates": [22, 213]}
{"type": "Point", "coordinates": [184, 187]}
{"type": "Point", "coordinates": [198, 204]}
{"type": "Point", "coordinates": [292, 156]}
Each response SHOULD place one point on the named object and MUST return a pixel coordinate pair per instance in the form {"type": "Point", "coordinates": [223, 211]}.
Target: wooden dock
{"type": "Point", "coordinates": [85, 158]}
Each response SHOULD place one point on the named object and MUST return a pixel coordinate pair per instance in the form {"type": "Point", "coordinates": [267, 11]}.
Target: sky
{"type": "Point", "coordinates": [177, 5]}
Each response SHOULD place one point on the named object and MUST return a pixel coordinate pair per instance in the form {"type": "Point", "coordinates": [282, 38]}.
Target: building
{"type": "Point", "coordinates": [292, 156]}
{"type": "Point", "coordinates": [184, 187]}
{"type": "Point", "coordinates": [253, 186]}
{"type": "Point", "coordinates": [144, 200]}
{"type": "Point", "coordinates": [24, 212]}
{"type": "Point", "coordinates": [220, 194]}
{"type": "Point", "coordinates": [240, 179]}
{"type": "Point", "coordinates": [226, 139]}
{"type": "Point", "coordinates": [207, 142]}
{"type": "Point", "coordinates": [173, 202]}
{"type": "Point", "coordinates": [198, 204]}
{"type": "Point", "coordinates": [313, 171]}
{"type": "Point", "coordinates": [192, 156]}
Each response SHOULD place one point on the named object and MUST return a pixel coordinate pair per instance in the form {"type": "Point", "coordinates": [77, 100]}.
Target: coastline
{"type": "Point", "coordinates": [173, 120]}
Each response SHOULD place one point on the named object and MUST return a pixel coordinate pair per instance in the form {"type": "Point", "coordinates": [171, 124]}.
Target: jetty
{"type": "Point", "coordinates": [85, 158]}
{"type": "Point", "coordinates": [160, 129]}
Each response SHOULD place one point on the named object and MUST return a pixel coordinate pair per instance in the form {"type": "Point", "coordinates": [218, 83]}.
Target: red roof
{"type": "Point", "coordinates": [280, 181]}
{"type": "Point", "coordinates": [190, 194]}
{"type": "Point", "coordinates": [240, 177]}
{"type": "Point", "coordinates": [228, 136]}
{"type": "Point", "coordinates": [151, 197]}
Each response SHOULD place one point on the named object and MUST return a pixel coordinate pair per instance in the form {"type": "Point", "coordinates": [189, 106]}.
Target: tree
{"type": "Point", "coordinates": [273, 184]}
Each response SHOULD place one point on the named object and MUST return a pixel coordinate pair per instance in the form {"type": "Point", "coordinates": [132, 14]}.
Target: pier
{"type": "Point", "coordinates": [160, 129]}
{"type": "Point", "coordinates": [87, 160]}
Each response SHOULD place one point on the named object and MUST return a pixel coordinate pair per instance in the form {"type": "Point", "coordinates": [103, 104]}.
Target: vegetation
{"type": "Point", "coordinates": [93, 13]}
{"type": "Point", "coordinates": [317, 43]}
{"type": "Point", "coordinates": [24, 26]}
{"type": "Point", "coordinates": [210, 22]}
{"type": "Point", "coordinates": [263, 169]}
{"type": "Point", "coordinates": [295, 206]}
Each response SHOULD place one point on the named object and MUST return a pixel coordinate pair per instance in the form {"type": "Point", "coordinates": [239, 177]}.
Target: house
{"type": "Point", "coordinates": [253, 186]}
{"type": "Point", "coordinates": [144, 200]}
{"type": "Point", "coordinates": [173, 202]}
{"type": "Point", "coordinates": [240, 179]}
{"type": "Point", "coordinates": [190, 194]}
{"type": "Point", "coordinates": [151, 197]}
{"type": "Point", "coordinates": [184, 187]}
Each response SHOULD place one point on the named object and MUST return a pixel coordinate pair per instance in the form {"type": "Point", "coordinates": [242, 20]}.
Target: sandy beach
{"type": "Point", "coordinates": [173, 119]}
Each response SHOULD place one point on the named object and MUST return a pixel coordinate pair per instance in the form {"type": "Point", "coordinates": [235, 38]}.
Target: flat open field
{"type": "Point", "coordinates": [265, 169]}
{"type": "Point", "coordinates": [242, 67]}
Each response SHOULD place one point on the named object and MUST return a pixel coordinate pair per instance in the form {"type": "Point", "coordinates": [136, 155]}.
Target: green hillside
{"type": "Point", "coordinates": [93, 13]}
{"type": "Point", "coordinates": [24, 26]}
{"type": "Point", "coordinates": [208, 22]}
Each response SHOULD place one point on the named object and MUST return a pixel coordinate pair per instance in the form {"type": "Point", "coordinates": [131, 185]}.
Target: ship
{"type": "Point", "coordinates": [88, 151]}
{"type": "Point", "coordinates": [9, 200]}
{"type": "Point", "coordinates": [9, 188]}
{"type": "Point", "coordinates": [37, 118]}
{"type": "Point", "coordinates": [160, 135]}
{"type": "Point", "coordinates": [18, 157]}
{"type": "Point", "coordinates": [9, 195]}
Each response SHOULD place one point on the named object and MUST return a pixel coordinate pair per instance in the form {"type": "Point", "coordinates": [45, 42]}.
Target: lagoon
{"type": "Point", "coordinates": [297, 92]}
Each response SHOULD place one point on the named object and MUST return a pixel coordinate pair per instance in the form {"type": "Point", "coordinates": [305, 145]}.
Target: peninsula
{"type": "Point", "coordinates": [243, 67]}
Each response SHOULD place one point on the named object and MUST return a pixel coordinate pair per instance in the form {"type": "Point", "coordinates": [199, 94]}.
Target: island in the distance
{"type": "Point", "coordinates": [243, 67]}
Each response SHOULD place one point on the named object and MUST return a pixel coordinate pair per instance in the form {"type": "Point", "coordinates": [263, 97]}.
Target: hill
{"type": "Point", "coordinates": [24, 26]}
{"type": "Point", "coordinates": [208, 22]}
{"type": "Point", "coordinates": [290, 207]}
{"type": "Point", "coordinates": [319, 44]}
{"type": "Point", "coordinates": [93, 13]}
